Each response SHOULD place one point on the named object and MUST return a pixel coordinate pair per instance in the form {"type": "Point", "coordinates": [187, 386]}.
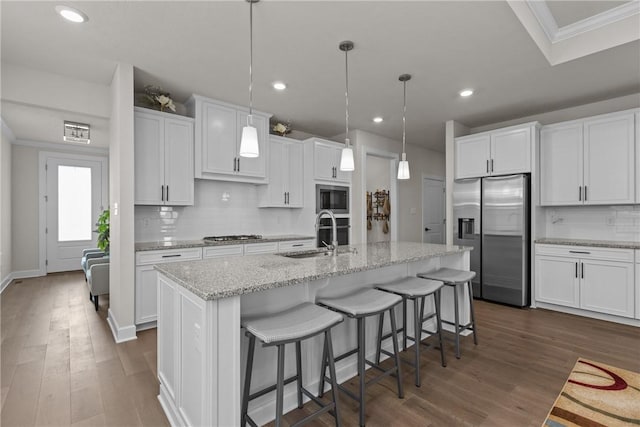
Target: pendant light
{"type": "Point", "coordinates": [249, 146]}
{"type": "Point", "coordinates": [403, 166]}
{"type": "Point", "coordinates": [346, 158]}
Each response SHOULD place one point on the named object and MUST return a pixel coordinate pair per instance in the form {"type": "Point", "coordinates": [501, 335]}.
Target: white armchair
{"type": "Point", "coordinates": [97, 278]}
{"type": "Point", "coordinates": [88, 254]}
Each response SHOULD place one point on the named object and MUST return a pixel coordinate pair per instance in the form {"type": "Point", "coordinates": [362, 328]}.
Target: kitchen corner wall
{"type": "Point", "coordinates": [617, 223]}
{"type": "Point", "coordinates": [220, 208]}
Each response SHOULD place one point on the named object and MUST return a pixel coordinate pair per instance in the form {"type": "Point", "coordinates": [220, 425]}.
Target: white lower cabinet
{"type": "Point", "coordinates": [260, 248]}
{"type": "Point", "coordinates": [296, 245]}
{"type": "Point", "coordinates": [146, 293]}
{"type": "Point", "coordinates": [595, 279]}
{"type": "Point", "coordinates": [637, 283]}
{"type": "Point", "coordinates": [222, 251]}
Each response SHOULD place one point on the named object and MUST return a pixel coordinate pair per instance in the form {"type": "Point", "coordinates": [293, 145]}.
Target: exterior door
{"type": "Point", "coordinates": [433, 210]}
{"type": "Point", "coordinates": [75, 196]}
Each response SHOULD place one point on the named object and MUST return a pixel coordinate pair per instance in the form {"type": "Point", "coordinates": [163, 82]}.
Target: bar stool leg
{"type": "Point", "coordinates": [436, 300]}
{"type": "Point", "coordinates": [247, 380]}
{"type": "Point", "coordinates": [361, 356]}
{"type": "Point", "coordinates": [417, 328]}
{"type": "Point", "coordinates": [332, 372]}
{"type": "Point", "coordinates": [473, 317]}
{"type": "Point", "coordinates": [299, 372]}
{"type": "Point", "coordinates": [394, 335]}
{"type": "Point", "coordinates": [323, 370]}
{"type": "Point", "coordinates": [280, 386]}
{"type": "Point", "coordinates": [457, 320]}
{"type": "Point", "coordinates": [379, 347]}
{"type": "Point", "coordinates": [404, 324]}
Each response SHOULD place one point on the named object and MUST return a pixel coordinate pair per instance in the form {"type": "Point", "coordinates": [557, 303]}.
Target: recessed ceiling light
{"type": "Point", "coordinates": [377, 119]}
{"type": "Point", "coordinates": [279, 86]}
{"type": "Point", "coordinates": [466, 92]}
{"type": "Point", "coordinates": [71, 14]}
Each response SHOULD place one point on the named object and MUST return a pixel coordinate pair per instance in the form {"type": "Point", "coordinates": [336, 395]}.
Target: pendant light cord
{"type": "Point", "coordinates": [250, 60]}
{"type": "Point", "coordinates": [404, 114]}
{"type": "Point", "coordinates": [346, 93]}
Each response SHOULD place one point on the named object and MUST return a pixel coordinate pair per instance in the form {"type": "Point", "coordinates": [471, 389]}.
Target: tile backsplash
{"type": "Point", "coordinates": [220, 208]}
{"type": "Point", "coordinates": [617, 223]}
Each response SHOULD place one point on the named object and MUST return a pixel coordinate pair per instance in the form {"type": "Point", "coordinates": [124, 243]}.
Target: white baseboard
{"type": "Point", "coordinates": [591, 314]}
{"type": "Point", "coordinates": [24, 274]}
{"type": "Point", "coordinates": [121, 334]}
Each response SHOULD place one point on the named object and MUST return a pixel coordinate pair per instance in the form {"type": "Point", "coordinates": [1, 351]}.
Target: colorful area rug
{"type": "Point", "coordinates": [597, 395]}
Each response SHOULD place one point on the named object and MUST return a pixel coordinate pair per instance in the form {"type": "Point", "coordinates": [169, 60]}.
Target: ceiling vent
{"type": "Point", "coordinates": [76, 132]}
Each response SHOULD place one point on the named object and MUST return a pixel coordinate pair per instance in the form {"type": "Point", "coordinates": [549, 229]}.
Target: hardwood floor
{"type": "Point", "coordinates": [60, 366]}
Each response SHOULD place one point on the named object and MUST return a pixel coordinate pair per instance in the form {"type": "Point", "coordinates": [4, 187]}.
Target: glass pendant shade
{"type": "Point", "coordinates": [403, 168]}
{"type": "Point", "coordinates": [346, 160]}
{"type": "Point", "coordinates": [249, 142]}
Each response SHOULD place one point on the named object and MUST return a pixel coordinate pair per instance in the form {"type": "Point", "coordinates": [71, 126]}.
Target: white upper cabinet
{"type": "Point", "coordinates": [500, 152]}
{"type": "Point", "coordinates": [326, 161]}
{"type": "Point", "coordinates": [473, 155]}
{"type": "Point", "coordinates": [589, 161]}
{"type": "Point", "coordinates": [163, 150]}
{"type": "Point", "coordinates": [218, 129]}
{"type": "Point", "coordinates": [561, 164]}
{"type": "Point", "coordinates": [637, 148]}
{"type": "Point", "coordinates": [285, 174]}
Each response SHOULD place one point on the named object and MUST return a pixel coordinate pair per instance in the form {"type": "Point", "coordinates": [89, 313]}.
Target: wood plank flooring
{"type": "Point", "coordinates": [60, 366]}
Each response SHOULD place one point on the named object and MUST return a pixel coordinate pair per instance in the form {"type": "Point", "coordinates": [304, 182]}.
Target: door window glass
{"type": "Point", "coordinates": [74, 203]}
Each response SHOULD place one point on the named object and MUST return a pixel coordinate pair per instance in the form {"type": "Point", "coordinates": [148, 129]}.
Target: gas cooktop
{"type": "Point", "coordinates": [232, 237]}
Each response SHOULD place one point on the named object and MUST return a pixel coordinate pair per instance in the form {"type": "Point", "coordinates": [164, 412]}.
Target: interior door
{"type": "Point", "coordinates": [433, 210]}
{"type": "Point", "coordinates": [75, 196]}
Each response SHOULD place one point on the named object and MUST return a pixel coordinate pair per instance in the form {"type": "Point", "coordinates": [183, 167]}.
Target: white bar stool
{"type": "Point", "coordinates": [455, 278]}
{"type": "Point", "coordinates": [360, 305]}
{"type": "Point", "coordinates": [291, 326]}
{"type": "Point", "coordinates": [416, 290]}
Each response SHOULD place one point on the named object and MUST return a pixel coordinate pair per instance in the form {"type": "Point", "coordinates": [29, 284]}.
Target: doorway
{"type": "Point", "coordinates": [73, 194]}
{"type": "Point", "coordinates": [380, 222]}
{"type": "Point", "coordinates": [433, 210]}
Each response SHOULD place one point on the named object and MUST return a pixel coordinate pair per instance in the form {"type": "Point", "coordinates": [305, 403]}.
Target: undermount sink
{"type": "Point", "coordinates": [316, 253]}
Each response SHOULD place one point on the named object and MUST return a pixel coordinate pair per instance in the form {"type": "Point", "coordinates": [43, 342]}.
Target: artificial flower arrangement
{"type": "Point", "coordinates": [280, 128]}
{"type": "Point", "coordinates": [157, 98]}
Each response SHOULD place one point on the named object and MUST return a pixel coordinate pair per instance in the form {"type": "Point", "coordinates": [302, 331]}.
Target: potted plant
{"type": "Point", "coordinates": [103, 231]}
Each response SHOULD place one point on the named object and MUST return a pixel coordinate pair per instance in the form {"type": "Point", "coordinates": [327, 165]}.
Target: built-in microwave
{"type": "Point", "coordinates": [332, 197]}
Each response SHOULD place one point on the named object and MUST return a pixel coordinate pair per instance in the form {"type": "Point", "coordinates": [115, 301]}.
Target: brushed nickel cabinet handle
{"type": "Point", "coordinates": [585, 193]}
{"type": "Point", "coordinates": [580, 193]}
{"type": "Point", "coordinates": [576, 270]}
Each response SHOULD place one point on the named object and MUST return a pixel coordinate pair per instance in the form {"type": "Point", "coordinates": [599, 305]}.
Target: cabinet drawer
{"type": "Point", "coordinates": [586, 252]}
{"type": "Point", "coordinates": [222, 251]}
{"type": "Point", "coordinates": [168, 255]}
{"type": "Point", "coordinates": [260, 248]}
{"type": "Point", "coordinates": [296, 245]}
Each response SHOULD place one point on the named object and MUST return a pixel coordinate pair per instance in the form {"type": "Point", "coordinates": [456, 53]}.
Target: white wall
{"type": "Point", "coordinates": [409, 205]}
{"type": "Point", "coordinates": [5, 206]}
{"type": "Point", "coordinates": [121, 188]}
{"type": "Point", "coordinates": [211, 216]}
{"type": "Point", "coordinates": [378, 178]}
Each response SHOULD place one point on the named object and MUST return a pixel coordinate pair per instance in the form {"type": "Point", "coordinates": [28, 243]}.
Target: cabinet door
{"type": "Point", "coordinates": [607, 287]}
{"type": "Point", "coordinates": [325, 165]}
{"type": "Point", "coordinates": [637, 148]}
{"type": "Point", "coordinates": [256, 166]}
{"type": "Point", "coordinates": [561, 165]}
{"type": "Point", "coordinates": [511, 151]}
{"type": "Point", "coordinates": [146, 294]}
{"type": "Point", "coordinates": [637, 283]}
{"type": "Point", "coordinates": [472, 155]}
{"type": "Point", "coordinates": [218, 139]}
{"type": "Point", "coordinates": [148, 158]}
{"type": "Point", "coordinates": [295, 175]}
{"type": "Point", "coordinates": [609, 159]}
{"type": "Point", "coordinates": [178, 175]}
{"type": "Point", "coordinates": [167, 336]}
{"type": "Point", "coordinates": [260, 248]}
{"type": "Point", "coordinates": [278, 172]}
{"type": "Point", "coordinates": [557, 280]}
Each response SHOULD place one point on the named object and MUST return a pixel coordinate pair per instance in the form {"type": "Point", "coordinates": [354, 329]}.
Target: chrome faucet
{"type": "Point", "coordinates": [333, 247]}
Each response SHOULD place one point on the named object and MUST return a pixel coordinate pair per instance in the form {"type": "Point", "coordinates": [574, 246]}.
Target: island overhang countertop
{"type": "Point", "coordinates": [221, 278]}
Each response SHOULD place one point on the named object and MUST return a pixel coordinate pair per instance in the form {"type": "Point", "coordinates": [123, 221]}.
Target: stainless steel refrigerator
{"type": "Point", "coordinates": [492, 215]}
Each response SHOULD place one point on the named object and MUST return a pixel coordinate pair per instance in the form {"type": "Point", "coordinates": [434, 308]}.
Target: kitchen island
{"type": "Point", "coordinates": [201, 349]}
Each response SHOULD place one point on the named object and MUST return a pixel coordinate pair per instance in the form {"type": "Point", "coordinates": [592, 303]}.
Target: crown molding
{"type": "Point", "coordinates": [605, 18]}
{"type": "Point", "coordinates": [6, 131]}
{"type": "Point", "coordinates": [61, 147]}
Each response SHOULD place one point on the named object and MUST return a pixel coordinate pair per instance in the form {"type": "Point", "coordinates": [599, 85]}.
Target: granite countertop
{"type": "Point", "coordinates": [585, 242]}
{"type": "Point", "coordinates": [220, 278]}
{"type": "Point", "coordinates": [182, 244]}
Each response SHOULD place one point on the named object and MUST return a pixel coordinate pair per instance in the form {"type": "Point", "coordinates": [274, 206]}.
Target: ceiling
{"type": "Point", "coordinates": [202, 47]}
